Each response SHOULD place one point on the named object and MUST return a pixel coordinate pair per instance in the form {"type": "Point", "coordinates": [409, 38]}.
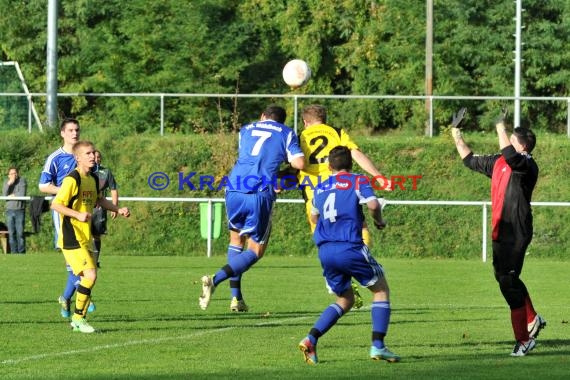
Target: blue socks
{"type": "Point", "coordinates": [237, 265]}
{"type": "Point", "coordinates": [72, 282]}
{"type": "Point", "coordinates": [328, 319]}
{"type": "Point", "coordinates": [235, 282]}
{"type": "Point", "coordinates": [380, 321]}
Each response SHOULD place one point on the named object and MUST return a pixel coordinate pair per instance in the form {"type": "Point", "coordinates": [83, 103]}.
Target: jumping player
{"type": "Point", "coordinates": [317, 140]}
{"type": "Point", "coordinates": [513, 174]}
{"type": "Point", "coordinates": [250, 194]}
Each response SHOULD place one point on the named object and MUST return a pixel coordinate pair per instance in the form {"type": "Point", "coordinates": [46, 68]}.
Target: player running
{"type": "Point", "coordinates": [337, 213]}
{"type": "Point", "coordinates": [74, 202]}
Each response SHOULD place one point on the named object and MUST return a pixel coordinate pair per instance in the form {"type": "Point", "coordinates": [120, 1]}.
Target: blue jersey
{"type": "Point", "coordinates": [338, 204]}
{"type": "Point", "coordinates": [58, 165]}
{"type": "Point", "coordinates": [263, 146]}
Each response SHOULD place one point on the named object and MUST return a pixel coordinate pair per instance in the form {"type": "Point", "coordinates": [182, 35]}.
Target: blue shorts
{"type": "Point", "coordinates": [343, 261]}
{"type": "Point", "coordinates": [250, 214]}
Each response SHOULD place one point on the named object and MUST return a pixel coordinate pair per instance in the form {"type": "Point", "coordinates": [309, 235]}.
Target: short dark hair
{"type": "Point", "coordinates": [276, 113]}
{"type": "Point", "coordinates": [526, 137]}
{"type": "Point", "coordinates": [340, 158]}
{"type": "Point", "coordinates": [66, 121]}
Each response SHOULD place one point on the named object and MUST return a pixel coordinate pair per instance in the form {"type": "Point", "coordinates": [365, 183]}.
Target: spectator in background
{"type": "Point", "coordinates": [99, 216]}
{"type": "Point", "coordinates": [15, 186]}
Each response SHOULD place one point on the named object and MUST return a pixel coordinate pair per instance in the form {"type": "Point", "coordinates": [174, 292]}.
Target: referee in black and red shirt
{"type": "Point", "coordinates": [513, 175]}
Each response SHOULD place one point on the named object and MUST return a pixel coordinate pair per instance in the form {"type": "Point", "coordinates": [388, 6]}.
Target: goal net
{"type": "Point", "coordinates": [17, 109]}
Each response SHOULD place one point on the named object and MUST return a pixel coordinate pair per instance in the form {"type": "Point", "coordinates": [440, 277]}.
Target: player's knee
{"type": "Point", "coordinates": [509, 284]}
{"type": "Point", "coordinates": [346, 300]}
{"type": "Point", "coordinates": [90, 275]}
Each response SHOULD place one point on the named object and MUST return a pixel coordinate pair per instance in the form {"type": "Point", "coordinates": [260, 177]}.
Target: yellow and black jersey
{"type": "Point", "coordinates": [316, 142]}
{"type": "Point", "coordinates": [79, 193]}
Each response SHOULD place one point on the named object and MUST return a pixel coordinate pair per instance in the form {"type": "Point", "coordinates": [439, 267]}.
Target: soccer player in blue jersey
{"type": "Point", "coordinates": [337, 211]}
{"type": "Point", "coordinates": [250, 194]}
{"type": "Point", "coordinates": [57, 166]}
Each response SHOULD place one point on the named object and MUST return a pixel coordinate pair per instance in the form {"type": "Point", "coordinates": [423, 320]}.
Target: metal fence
{"type": "Point", "coordinates": [160, 97]}
{"type": "Point", "coordinates": [210, 201]}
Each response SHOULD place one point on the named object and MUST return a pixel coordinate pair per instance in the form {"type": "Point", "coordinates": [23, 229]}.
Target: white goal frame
{"type": "Point", "coordinates": [31, 106]}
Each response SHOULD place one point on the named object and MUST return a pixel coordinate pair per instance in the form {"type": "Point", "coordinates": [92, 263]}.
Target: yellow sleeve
{"type": "Point", "coordinates": [346, 141]}
{"type": "Point", "coordinates": [67, 190]}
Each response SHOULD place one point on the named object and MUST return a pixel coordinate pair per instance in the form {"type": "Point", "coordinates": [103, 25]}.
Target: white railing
{"type": "Point", "coordinates": [161, 96]}
{"type": "Point", "coordinates": [483, 204]}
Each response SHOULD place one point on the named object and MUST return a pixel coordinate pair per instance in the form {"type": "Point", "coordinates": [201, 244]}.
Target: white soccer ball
{"type": "Point", "coordinates": [296, 73]}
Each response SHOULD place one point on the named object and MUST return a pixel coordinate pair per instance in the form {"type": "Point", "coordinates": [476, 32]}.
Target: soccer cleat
{"type": "Point", "coordinates": [238, 306]}
{"type": "Point", "coordinates": [208, 288]}
{"type": "Point", "coordinates": [309, 351]}
{"type": "Point", "coordinates": [81, 325]}
{"type": "Point", "coordinates": [523, 348]}
{"type": "Point", "coordinates": [65, 313]}
{"type": "Point", "coordinates": [91, 308]}
{"type": "Point", "coordinates": [535, 326]}
{"type": "Point", "coordinates": [357, 297]}
{"type": "Point", "coordinates": [383, 354]}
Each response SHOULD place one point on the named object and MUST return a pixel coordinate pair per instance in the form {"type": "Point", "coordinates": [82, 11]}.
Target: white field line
{"type": "Point", "coordinates": [137, 343]}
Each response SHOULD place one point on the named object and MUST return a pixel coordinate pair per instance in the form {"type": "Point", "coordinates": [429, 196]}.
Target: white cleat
{"type": "Point", "coordinates": [207, 291]}
{"type": "Point", "coordinates": [535, 326]}
{"type": "Point", "coordinates": [523, 348]}
{"type": "Point", "coordinates": [81, 325]}
{"type": "Point", "coordinates": [238, 306]}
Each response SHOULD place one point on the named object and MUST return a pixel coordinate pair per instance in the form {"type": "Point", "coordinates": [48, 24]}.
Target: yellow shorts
{"type": "Point", "coordinates": [79, 259]}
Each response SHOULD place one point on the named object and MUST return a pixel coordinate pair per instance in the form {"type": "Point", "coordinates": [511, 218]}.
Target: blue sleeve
{"type": "Point", "coordinates": [47, 177]}
{"type": "Point", "coordinates": [293, 147]}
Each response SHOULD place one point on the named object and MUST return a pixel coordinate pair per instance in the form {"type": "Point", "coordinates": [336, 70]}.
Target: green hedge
{"type": "Point", "coordinates": [173, 228]}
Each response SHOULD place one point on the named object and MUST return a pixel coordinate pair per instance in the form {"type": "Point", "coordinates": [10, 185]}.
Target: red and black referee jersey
{"type": "Point", "coordinates": [513, 177]}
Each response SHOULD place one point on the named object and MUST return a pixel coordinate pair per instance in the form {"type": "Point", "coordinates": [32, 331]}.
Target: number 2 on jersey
{"type": "Point", "coordinates": [321, 143]}
{"type": "Point", "coordinates": [329, 210]}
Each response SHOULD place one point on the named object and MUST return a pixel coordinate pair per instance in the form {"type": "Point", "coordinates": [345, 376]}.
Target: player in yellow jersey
{"type": "Point", "coordinates": [317, 140]}
{"type": "Point", "coordinates": [74, 202]}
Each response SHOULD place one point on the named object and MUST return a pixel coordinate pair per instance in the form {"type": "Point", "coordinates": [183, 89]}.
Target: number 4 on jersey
{"type": "Point", "coordinates": [329, 211]}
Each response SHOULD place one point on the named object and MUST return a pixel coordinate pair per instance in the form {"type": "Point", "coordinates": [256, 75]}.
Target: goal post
{"type": "Point", "coordinates": [31, 109]}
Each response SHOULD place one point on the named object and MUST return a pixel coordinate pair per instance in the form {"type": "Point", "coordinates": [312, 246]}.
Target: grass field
{"type": "Point", "coordinates": [449, 321]}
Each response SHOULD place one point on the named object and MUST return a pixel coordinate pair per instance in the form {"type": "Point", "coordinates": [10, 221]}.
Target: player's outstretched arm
{"type": "Point", "coordinates": [460, 144]}
{"type": "Point", "coordinates": [368, 166]}
{"type": "Point", "coordinates": [504, 140]}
